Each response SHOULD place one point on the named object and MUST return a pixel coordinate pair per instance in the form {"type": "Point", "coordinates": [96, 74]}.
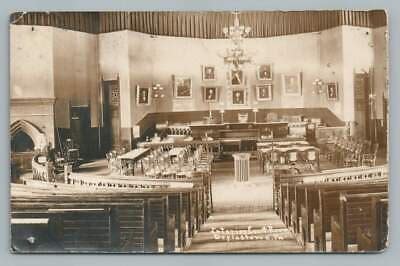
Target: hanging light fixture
{"type": "Point", "coordinates": [236, 56]}
{"type": "Point", "coordinates": [157, 91]}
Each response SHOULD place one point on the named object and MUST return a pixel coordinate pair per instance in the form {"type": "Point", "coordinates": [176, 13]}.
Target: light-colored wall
{"type": "Point", "coordinates": [154, 59]}
{"type": "Point", "coordinates": [31, 62]}
{"type": "Point", "coordinates": [76, 79]}
{"type": "Point", "coordinates": [114, 64]}
{"type": "Point", "coordinates": [357, 58]}
{"type": "Point", "coordinates": [380, 68]}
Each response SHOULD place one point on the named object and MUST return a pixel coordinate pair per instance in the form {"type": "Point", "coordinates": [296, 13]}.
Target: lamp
{"type": "Point", "coordinates": [318, 84]}
{"type": "Point", "coordinates": [222, 111]}
{"type": "Point", "coordinates": [235, 56]}
{"type": "Point", "coordinates": [255, 111]}
{"type": "Point", "coordinates": [157, 91]}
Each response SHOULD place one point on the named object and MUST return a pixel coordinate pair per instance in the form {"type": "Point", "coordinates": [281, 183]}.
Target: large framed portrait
{"type": "Point", "coordinates": [332, 91]}
{"type": "Point", "coordinates": [182, 87]}
{"type": "Point", "coordinates": [264, 72]}
{"type": "Point", "coordinates": [291, 85]}
{"type": "Point", "coordinates": [210, 94]}
{"type": "Point", "coordinates": [264, 92]}
{"type": "Point", "coordinates": [236, 77]}
{"type": "Point", "coordinates": [209, 73]}
{"type": "Point", "coordinates": [238, 96]}
{"type": "Point", "coordinates": [143, 96]}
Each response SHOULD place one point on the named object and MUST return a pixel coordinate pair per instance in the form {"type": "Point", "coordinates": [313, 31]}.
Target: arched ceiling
{"type": "Point", "coordinates": [202, 24]}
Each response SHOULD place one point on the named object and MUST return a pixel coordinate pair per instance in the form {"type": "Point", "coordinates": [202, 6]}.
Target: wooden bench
{"type": "Point", "coordinates": [329, 205]}
{"type": "Point", "coordinates": [140, 221]}
{"type": "Point", "coordinates": [356, 211]}
{"type": "Point", "coordinates": [373, 240]}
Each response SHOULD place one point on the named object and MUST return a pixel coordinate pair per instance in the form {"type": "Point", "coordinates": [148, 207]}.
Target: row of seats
{"type": "Point", "coordinates": [336, 215]}
{"type": "Point", "coordinates": [69, 220]}
{"type": "Point", "coordinates": [351, 152]}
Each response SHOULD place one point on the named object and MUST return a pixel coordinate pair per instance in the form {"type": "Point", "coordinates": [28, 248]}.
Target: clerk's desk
{"type": "Point", "coordinates": [243, 131]}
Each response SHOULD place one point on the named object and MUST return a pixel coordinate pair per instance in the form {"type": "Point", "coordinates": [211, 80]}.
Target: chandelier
{"type": "Point", "coordinates": [235, 56]}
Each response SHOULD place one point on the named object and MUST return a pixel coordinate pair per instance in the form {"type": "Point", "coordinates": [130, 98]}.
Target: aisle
{"type": "Point", "coordinates": [268, 232]}
{"type": "Point", "coordinates": [243, 220]}
{"type": "Point", "coordinates": [228, 195]}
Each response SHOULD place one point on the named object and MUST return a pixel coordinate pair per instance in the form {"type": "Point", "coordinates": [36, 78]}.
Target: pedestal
{"type": "Point", "coordinates": [242, 166]}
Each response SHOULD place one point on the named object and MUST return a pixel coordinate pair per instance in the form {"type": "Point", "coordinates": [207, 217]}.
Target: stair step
{"type": "Point", "coordinates": [244, 232]}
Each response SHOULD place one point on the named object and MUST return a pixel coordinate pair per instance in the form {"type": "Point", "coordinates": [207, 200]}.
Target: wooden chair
{"type": "Point", "coordinates": [369, 159]}
{"type": "Point", "coordinates": [291, 156]}
{"type": "Point", "coordinates": [312, 157]}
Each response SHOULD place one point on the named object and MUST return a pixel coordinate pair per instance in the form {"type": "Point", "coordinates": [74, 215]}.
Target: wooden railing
{"type": "Point", "coordinates": [41, 171]}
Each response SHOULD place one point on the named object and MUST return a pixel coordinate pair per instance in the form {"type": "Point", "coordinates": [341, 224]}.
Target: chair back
{"type": "Point", "coordinates": [291, 155]}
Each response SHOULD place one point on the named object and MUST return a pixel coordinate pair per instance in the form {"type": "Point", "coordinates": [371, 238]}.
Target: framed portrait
{"type": "Point", "coordinates": [238, 96]}
{"type": "Point", "coordinates": [143, 96]}
{"type": "Point", "coordinates": [182, 87]}
{"type": "Point", "coordinates": [291, 85]}
{"type": "Point", "coordinates": [209, 73]}
{"type": "Point", "coordinates": [236, 77]}
{"type": "Point", "coordinates": [264, 92]}
{"type": "Point", "coordinates": [332, 91]}
{"type": "Point", "coordinates": [264, 72]}
{"type": "Point", "coordinates": [210, 94]}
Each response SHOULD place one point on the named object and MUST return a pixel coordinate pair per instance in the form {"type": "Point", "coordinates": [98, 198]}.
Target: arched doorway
{"type": "Point", "coordinates": [25, 139]}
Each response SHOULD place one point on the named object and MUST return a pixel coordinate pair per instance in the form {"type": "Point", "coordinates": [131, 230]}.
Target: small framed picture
{"type": "Point", "coordinates": [264, 92]}
{"type": "Point", "coordinates": [236, 77]}
{"type": "Point", "coordinates": [210, 94]}
{"type": "Point", "coordinates": [238, 96]}
{"type": "Point", "coordinates": [291, 85]}
{"type": "Point", "coordinates": [143, 95]}
{"type": "Point", "coordinates": [332, 91]}
{"type": "Point", "coordinates": [182, 87]}
{"type": "Point", "coordinates": [209, 73]}
{"type": "Point", "coordinates": [264, 72]}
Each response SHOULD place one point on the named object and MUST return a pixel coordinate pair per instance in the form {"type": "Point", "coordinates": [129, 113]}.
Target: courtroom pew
{"type": "Point", "coordinates": [329, 203]}
{"type": "Point", "coordinates": [299, 202]}
{"type": "Point", "coordinates": [355, 212]}
{"type": "Point", "coordinates": [375, 239]}
{"type": "Point", "coordinates": [129, 232]}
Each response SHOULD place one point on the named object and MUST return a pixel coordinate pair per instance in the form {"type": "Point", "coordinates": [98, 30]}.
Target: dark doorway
{"type": "Point", "coordinates": [80, 130]}
{"type": "Point", "coordinates": [22, 142]}
{"type": "Point", "coordinates": [110, 133]}
{"type": "Point", "coordinates": [362, 113]}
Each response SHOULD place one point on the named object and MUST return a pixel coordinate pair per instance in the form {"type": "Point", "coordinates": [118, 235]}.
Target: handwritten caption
{"type": "Point", "coordinates": [264, 233]}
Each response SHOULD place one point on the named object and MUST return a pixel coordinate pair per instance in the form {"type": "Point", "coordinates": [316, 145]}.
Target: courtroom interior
{"type": "Point", "coordinates": [199, 132]}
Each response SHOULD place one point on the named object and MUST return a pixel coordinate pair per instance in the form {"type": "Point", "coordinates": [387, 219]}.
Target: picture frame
{"type": "Point", "coordinates": [264, 92]}
{"type": "Point", "coordinates": [208, 73]}
{"type": "Point", "coordinates": [239, 96]}
{"type": "Point", "coordinates": [182, 87]}
{"type": "Point", "coordinates": [291, 85]}
{"type": "Point", "coordinates": [143, 95]}
{"type": "Point", "coordinates": [236, 77]}
{"type": "Point", "coordinates": [210, 94]}
{"type": "Point", "coordinates": [264, 72]}
{"type": "Point", "coordinates": [332, 91]}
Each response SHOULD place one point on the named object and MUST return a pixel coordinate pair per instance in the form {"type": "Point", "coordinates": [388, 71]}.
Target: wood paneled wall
{"type": "Point", "coordinates": [206, 25]}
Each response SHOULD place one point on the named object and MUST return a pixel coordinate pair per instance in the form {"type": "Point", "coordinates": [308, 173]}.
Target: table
{"type": "Point", "coordinates": [133, 156]}
{"type": "Point", "coordinates": [242, 166]}
{"type": "Point", "coordinates": [299, 148]}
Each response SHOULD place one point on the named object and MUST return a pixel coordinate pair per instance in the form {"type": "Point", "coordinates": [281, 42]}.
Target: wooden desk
{"type": "Point", "coordinates": [134, 156]}
{"type": "Point", "coordinates": [241, 130]}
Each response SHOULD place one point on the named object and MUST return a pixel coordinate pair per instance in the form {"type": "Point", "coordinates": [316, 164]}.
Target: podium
{"type": "Point", "coordinates": [242, 166]}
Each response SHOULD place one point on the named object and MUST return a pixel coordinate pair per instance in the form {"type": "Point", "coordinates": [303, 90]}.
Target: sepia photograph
{"type": "Point", "coordinates": [124, 139]}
